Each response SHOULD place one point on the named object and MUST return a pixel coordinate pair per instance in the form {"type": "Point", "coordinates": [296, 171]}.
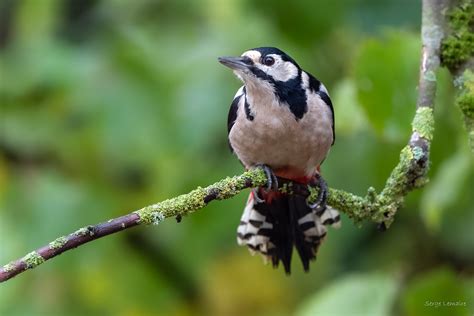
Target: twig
{"type": "Point", "coordinates": [152, 214]}
{"type": "Point", "coordinates": [410, 172]}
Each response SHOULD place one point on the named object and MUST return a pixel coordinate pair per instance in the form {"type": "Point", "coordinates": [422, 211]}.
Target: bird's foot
{"type": "Point", "coordinates": [319, 205]}
{"type": "Point", "coordinates": [272, 181]}
{"type": "Point", "coordinates": [256, 196]}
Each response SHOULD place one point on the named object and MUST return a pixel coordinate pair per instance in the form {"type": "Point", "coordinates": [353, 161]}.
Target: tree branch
{"type": "Point", "coordinates": [457, 54]}
{"type": "Point", "coordinates": [410, 172]}
{"type": "Point", "coordinates": [152, 214]}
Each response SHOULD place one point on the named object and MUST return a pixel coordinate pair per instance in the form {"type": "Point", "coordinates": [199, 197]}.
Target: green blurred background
{"type": "Point", "coordinates": [108, 106]}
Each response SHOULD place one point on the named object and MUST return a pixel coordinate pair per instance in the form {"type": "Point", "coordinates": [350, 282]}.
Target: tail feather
{"type": "Point", "coordinates": [308, 229]}
{"type": "Point", "coordinates": [272, 228]}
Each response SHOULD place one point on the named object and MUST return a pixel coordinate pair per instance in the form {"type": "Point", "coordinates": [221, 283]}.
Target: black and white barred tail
{"type": "Point", "coordinates": [272, 228]}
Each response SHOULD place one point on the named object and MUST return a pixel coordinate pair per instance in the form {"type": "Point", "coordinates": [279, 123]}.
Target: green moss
{"type": "Point", "coordinates": [8, 267]}
{"type": "Point", "coordinates": [466, 104]}
{"type": "Point", "coordinates": [227, 187]}
{"type": "Point", "coordinates": [232, 186]}
{"type": "Point", "coordinates": [182, 205]}
{"type": "Point", "coordinates": [465, 100]}
{"type": "Point", "coordinates": [458, 47]}
{"type": "Point", "coordinates": [423, 122]}
{"type": "Point", "coordinates": [398, 185]}
{"type": "Point", "coordinates": [150, 216]}
{"type": "Point", "coordinates": [313, 195]}
{"type": "Point", "coordinates": [287, 188]}
{"type": "Point", "coordinates": [194, 200]}
{"type": "Point", "coordinates": [32, 260]}
{"type": "Point", "coordinates": [397, 182]}
{"type": "Point", "coordinates": [84, 231]}
{"type": "Point", "coordinates": [58, 242]}
{"type": "Point", "coordinates": [236, 184]}
{"type": "Point", "coordinates": [354, 206]}
{"type": "Point", "coordinates": [257, 175]}
{"type": "Point", "coordinates": [455, 50]}
{"type": "Point", "coordinates": [371, 194]}
{"type": "Point", "coordinates": [406, 155]}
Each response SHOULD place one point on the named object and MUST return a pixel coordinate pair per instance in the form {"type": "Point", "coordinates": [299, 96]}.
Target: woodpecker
{"type": "Point", "coordinates": [281, 119]}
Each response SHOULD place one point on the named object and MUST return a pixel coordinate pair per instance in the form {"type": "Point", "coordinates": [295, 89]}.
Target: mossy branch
{"type": "Point", "coordinates": [457, 54]}
{"type": "Point", "coordinates": [465, 101]}
{"type": "Point", "coordinates": [409, 173]}
{"type": "Point", "coordinates": [153, 214]}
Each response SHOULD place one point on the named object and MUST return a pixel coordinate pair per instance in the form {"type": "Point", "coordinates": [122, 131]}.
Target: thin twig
{"type": "Point", "coordinates": [152, 214]}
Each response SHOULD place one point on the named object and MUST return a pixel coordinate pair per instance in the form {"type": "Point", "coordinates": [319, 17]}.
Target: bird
{"type": "Point", "coordinates": [282, 120]}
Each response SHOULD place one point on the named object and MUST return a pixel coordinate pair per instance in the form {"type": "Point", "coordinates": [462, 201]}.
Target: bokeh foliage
{"type": "Point", "coordinates": [108, 105]}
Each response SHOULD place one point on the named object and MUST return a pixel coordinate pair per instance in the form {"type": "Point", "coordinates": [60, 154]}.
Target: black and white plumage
{"type": "Point", "coordinates": [282, 118]}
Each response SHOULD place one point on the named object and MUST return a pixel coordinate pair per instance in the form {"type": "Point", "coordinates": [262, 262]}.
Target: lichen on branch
{"type": "Point", "coordinates": [153, 214]}
{"type": "Point", "coordinates": [188, 203]}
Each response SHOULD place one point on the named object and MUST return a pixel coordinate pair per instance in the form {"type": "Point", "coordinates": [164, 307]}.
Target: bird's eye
{"type": "Point", "coordinates": [268, 60]}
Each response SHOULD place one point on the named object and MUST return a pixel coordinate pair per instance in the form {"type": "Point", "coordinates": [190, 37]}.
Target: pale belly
{"type": "Point", "coordinates": [278, 140]}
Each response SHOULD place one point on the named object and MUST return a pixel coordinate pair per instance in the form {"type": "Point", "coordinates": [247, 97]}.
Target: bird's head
{"type": "Point", "coordinates": [262, 65]}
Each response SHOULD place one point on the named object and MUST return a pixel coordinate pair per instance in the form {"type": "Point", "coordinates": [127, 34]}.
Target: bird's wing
{"type": "Point", "coordinates": [317, 87]}
{"type": "Point", "coordinates": [233, 111]}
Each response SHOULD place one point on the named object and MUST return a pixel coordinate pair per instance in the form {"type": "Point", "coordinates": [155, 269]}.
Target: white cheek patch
{"type": "Point", "coordinates": [284, 71]}
{"type": "Point", "coordinates": [281, 70]}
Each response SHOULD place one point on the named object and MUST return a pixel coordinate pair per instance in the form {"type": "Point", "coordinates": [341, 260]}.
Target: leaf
{"type": "Point", "coordinates": [359, 294]}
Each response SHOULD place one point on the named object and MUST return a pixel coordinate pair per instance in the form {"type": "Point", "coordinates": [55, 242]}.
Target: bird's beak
{"type": "Point", "coordinates": [235, 63]}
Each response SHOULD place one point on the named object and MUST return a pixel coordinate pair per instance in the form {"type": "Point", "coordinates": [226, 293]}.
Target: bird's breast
{"type": "Point", "coordinates": [276, 138]}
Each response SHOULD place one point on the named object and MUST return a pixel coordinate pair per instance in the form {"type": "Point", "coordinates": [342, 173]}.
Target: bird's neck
{"type": "Point", "coordinates": [260, 95]}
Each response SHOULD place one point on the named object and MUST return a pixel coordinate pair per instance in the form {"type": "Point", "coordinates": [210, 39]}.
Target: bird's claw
{"type": "Point", "coordinates": [320, 204]}
{"type": "Point", "coordinates": [272, 181]}
{"type": "Point", "coordinates": [257, 198]}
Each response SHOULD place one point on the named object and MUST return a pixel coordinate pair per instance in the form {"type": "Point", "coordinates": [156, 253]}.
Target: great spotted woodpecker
{"type": "Point", "coordinates": [282, 119]}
